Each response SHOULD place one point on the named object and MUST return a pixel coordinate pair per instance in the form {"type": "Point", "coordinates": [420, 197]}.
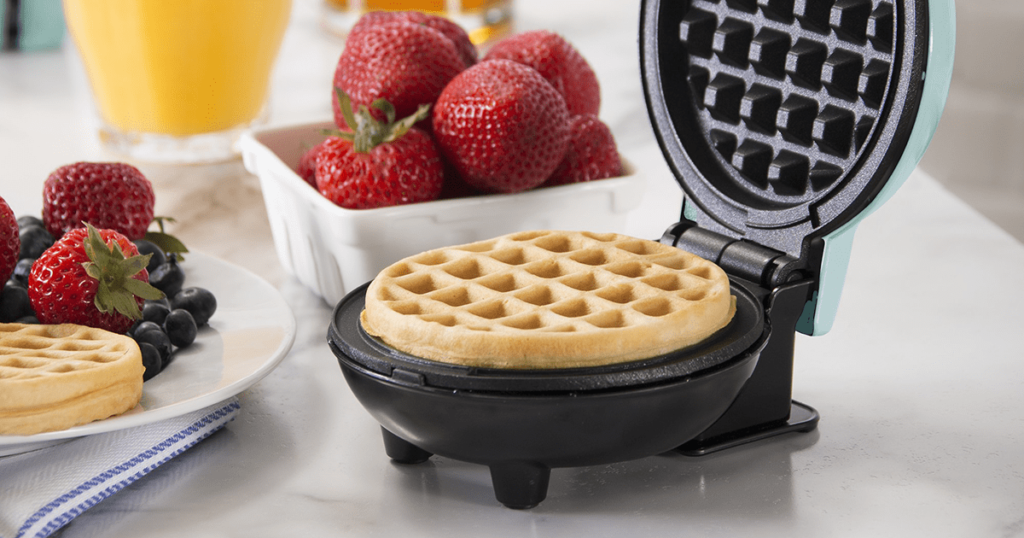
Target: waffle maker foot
{"type": "Point", "coordinates": [402, 451]}
{"type": "Point", "coordinates": [520, 486]}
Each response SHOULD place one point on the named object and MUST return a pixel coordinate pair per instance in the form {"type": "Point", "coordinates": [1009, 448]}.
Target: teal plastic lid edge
{"type": "Point", "coordinates": [42, 25]}
{"type": "Point", "coordinates": [839, 244]}
{"type": "Point", "coordinates": [3, 24]}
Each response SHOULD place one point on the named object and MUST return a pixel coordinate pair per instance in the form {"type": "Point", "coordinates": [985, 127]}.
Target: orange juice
{"type": "Point", "coordinates": [483, 20]}
{"type": "Point", "coordinates": [178, 67]}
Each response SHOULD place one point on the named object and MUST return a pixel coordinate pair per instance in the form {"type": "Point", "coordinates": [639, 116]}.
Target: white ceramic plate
{"type": "Point", "coordinates": [248, 336]}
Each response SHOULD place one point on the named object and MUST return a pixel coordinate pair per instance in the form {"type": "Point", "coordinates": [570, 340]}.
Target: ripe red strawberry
{"type": "Point", "coordinates": [405, 63]}
{"type": "Point", "coordinates": [454, 32]}
{"type": "Point", "coordinates": [91, 277]}
{"type": "Point", "coordinates": [592, 153]}
{"type": "Point", "coordinates": [502, 126]}
{"type": "Point", "coordinates": [10, 241]}
{"type": "Point", "coordinates": [107, 195]}
{"type": "Point", "coordinates": [378, 164]}
{"type": "Point", "coordinates": [558, 62]}
{"type": "Point", "coordinates": [307, 164]}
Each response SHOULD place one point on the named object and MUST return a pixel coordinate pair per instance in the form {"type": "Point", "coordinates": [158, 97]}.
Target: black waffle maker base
{"type": "Point", "coordinates": [522, 424]}
{"type": "Point", "coordinates": [782, 120]}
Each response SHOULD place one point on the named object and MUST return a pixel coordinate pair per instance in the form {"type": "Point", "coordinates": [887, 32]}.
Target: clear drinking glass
{"type": "Point", "coordinates": [177, 81]}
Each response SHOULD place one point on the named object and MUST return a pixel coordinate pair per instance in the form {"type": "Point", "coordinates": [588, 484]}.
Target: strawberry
{"type": "Point", "coordinates": [307, 164]}
{"type": "Point", "coordinates": [454, 32]}
{"type": "Point", "coordinates": [558, 62]}
{"type": "Point", "coordinates": [86, 278]}
{"type": "Point", "coordinates": [10, 241]}
{"type": "Point", "coordinates": [455, 187]}
{"type": "Point", "coordinates": [379, 164]}
{"type": "Point", "coordinates": [502, 126]}
{"type": "Point", "coordinates": [591, 155]}
{"type": "Point", "coordinates": [115, 196]}
{"type": "Point", "coordinates": [405, 63]}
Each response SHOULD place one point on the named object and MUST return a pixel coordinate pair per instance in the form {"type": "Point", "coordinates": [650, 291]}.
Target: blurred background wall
{"type": "Point", "coordinates": [978, 150]}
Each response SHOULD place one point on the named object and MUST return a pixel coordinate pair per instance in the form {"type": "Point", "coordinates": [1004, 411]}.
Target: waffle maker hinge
{"type": "Point", "coordinates": [764, 407]}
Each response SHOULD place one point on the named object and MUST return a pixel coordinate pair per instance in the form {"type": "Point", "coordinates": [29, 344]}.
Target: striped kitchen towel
{"type": "Point", "coordinates": [44, 490]}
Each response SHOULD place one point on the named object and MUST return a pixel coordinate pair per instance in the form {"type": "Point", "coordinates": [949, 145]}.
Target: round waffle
{"type": "Point", "coordinates": [548, 299]}
{"type": "Point", "coordinates": [53, 377]}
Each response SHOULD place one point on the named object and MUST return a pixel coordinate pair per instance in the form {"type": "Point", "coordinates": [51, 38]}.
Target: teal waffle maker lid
{"type": "Point", "coordinates": [786, 122]}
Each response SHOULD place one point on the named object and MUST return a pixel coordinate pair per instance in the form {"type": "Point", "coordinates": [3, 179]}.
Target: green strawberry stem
{"type": "Point", "coordinates": [368, 132]}
{"type": "Point", "coordinates": [117, 289]}
{"type": "Point", "coordinates": [167, 242]}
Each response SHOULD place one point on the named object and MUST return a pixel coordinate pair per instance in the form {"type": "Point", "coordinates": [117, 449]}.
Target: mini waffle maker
{"type": "Point", "coordinates": [785, 122]}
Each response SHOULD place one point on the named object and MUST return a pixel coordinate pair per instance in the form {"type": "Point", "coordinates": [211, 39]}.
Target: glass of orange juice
{"type": "Point", "coordinates": [177, 81]}
{"type": "Point", "coordinates": [483, 20]}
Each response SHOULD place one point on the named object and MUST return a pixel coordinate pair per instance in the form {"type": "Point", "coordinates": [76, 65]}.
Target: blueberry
{"type": "Point", "coordinates": [29, 220]}
{"type": "Point", "coordinates": [198, 301]}
{"type": "Point", "coordinates": [155, 311]}
{"type": "Point", "coordinates": [168, 277]}
{"type": "Point", "coordinates": [180, 327]}
{"type": "Point", "coordinates": [151, 360]}
{"type": "Point", "coordinates": [155, 337]}
{"type": "Point", "coordinates": [22, 269]}
{"type": "Point", "coordinates": [148, 247]}
{"type": "Point", "coordinates": [29, 320]}
{"type": "Point", "coordinates": [142, 326]}
{"type": "Point", "coordinates": [14, 303]}
{"type": "Point", "coordinates": [34, 241]}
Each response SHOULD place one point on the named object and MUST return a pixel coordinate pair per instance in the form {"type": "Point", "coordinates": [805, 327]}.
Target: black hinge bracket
{"type": "Point", "coordinates": [750, 261]}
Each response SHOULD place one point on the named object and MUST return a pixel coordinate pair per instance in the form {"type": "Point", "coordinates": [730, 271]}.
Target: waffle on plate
{"type": "Point", "coordinates": [53, 377]}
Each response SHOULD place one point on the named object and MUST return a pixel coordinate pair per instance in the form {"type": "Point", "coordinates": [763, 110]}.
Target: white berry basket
{"type": "Point", "coordinates": [333, 250]}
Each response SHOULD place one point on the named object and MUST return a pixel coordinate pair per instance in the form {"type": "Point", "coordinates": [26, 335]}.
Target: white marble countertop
{"type": "Point", "coordinates": [920, 385]}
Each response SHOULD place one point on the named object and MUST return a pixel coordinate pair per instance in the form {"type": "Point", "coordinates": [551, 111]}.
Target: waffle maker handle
{"type": "Point", "coordinates": [820, 311]}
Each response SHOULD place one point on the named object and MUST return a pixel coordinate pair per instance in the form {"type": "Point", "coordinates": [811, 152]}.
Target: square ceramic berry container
{"type": "Point", "coordinates": [332, 250]}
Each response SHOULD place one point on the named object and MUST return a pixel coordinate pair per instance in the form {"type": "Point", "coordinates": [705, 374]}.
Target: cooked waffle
{"type": "Point", "coordinates": [547, 299]}
{"type": "Point", "coordinates": [53, 377]}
